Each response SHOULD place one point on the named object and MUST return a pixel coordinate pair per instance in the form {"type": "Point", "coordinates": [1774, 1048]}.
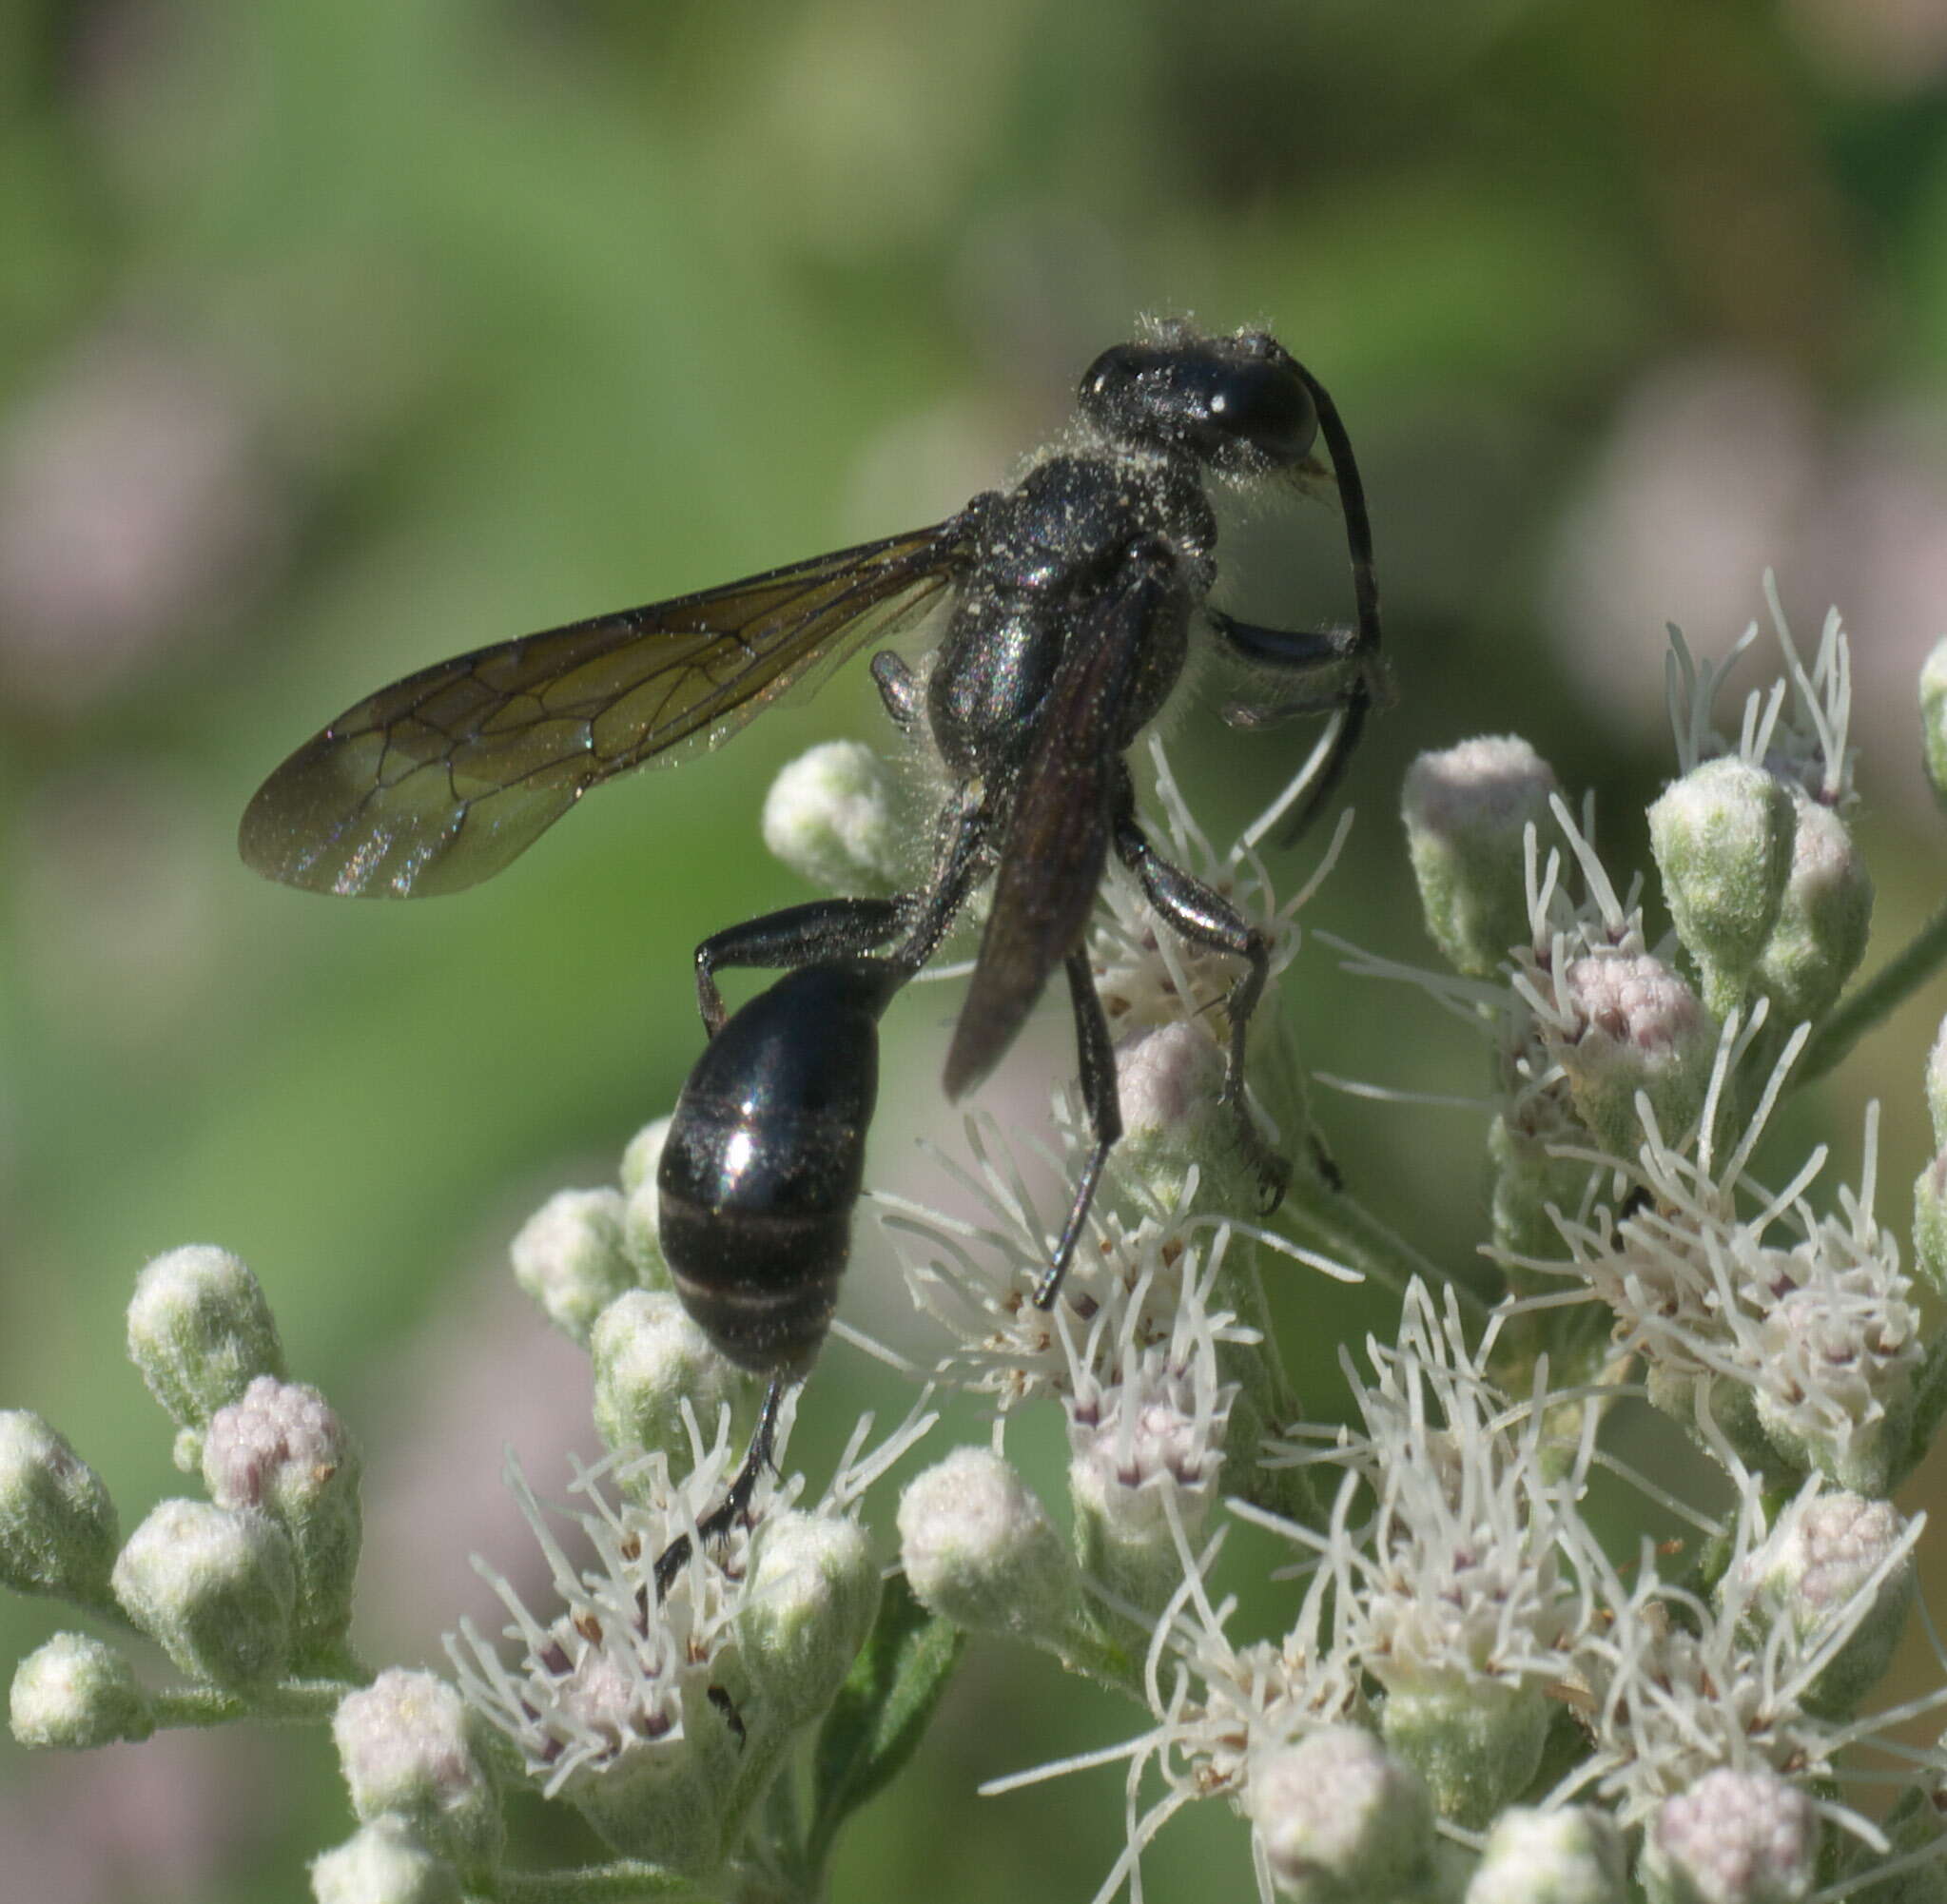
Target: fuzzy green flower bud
{"type": "Point", "coordinates": [1527, 1177]}
{"type": "Point", "coordinates": [200, 1333]}
{"type": "Point", "coordinates": [1734, 1837]}
{"type": "Point", "coordinates": [57, 1525]}
{"type": "Point", "coordinates": [1465, 810]}
{"type": "Point", "coordinates": [384, 1864]}
{"type": "Point", "coordinates": [1934, 724]}
{"type": "Point", "coordinates": [1574, 1855]}
{"type": "Point", "coordinates": [214, 1587]}
{"type": "Point", "coordinates": [814, 1596]}
{"type": "Point", "coordinates": [648, 1358]}
{"type": "Point", "coordinates": [642, 1211]}
{"type": "Point", "coordinates": [981, 1552]}
{"type": "Point", "coordinates": [412, 1747]}
{"type": "Point", "coordinates": [1477, 1745]}
{"type": "Point", "coordinates": [1823, 1553]}
{"type": "Point", "coordinates": [1338, 1819]}
{"type": "Point", "coordinates": [1824, 921]}
{"type": "Point", "coordinates": [75, 1694]}
{"type": "Point", "coordinates": [570, 1258]}
{"type": "Point", "coordinates": [1635, 1025]}
{"type": "Point", "coordinates": [283, 1448]}
{"type": "Point", "coordinates": [836, 817]}
{"type": "Point", "coordinates": [1722, 840]}
{"type": "Point", "coordinates": [1936, 1084]}
{"type": "Point", "coordinates": [1930, 1223]}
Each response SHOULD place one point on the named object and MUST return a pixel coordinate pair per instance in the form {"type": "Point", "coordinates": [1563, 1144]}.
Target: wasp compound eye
{"type": "Point", "coordinates": [1266, 406]}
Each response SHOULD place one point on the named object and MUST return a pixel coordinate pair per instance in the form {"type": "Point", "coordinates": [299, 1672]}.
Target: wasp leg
{"type": "Point", "coordinates": [731, 1509]}
{"type": "Point", "coordinates": [1194, 912]}
{"type": "Point", "coordinates": [1290, 651]}
{"type": "Point", "coordinates": [911, 925]}
{"type": "Point", "coordinates": [820, 932]}
{"type": "Point", "coordinates": [898, 690]}
{"type": "Point", "coordinates": [1105, 1103]}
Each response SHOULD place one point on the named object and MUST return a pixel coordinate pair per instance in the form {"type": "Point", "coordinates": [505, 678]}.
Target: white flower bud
{"type": "Point", "coordinates": [979, 1549]}
{"type": "Point", "coordinates": [283, 1448]}
{"type": "Point", "coordinates": [1636, 1026]}
{"type": "Point", "coordinates": [214, 1587]}
{"type": "Point", "coordinates": [1167, 1075]}
{"type": "Point", "coordinates": [58, 1531]}
{"type": "Point", "coordinates": [648, 1357]}
{"type": "Point", "coordinates": [1823, 922]}
{"type": "Point", "coordinates": [200, 1333]}
{"type": "Point", "coordinates": [814, 1596]}
{"type": "Point", "coordinates": [1157, 1435]}
{"type": "Point", "coordinates": [1574, 1855]}
{"type": "Point", "coordinates": [836, 817]}
{"type": "Point", "coordinates": [1934, 725]}
{"type": "Point", "coordinates": [1168, 1079]}
{"type": "Point", "coordinates": [1839, 1361]}
{"type": "Point", "coordinates": [570, 1258]}
{"type": "Point", "coordinates": [642, 1239]}
{"type": "Point", "coordinates": [1339, 1818]}
{"type": "Point", "coordinates": [641, 1155]}
{"type": "Point", "coordinates": [1817, 1561]}
{"type": "Point", "coordinates": [1477, 1744]}
{"type": "Point", "coordinates": [411, 1746]}
{"type": "Point", "coordinates": [1465, 810]}
{"type": "Point", "coordinates": [1722, 840]}
{"type": "Point", "coordinates": [74, 1693]}
{"type": "Point", "coordinates": [1734, 1837]}
{"type": "Point", "coordinates": [384, 1864]}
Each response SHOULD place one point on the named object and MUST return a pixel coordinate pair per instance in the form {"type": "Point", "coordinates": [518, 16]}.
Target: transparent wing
{"type": "Point", "coordinates": [436, 783]}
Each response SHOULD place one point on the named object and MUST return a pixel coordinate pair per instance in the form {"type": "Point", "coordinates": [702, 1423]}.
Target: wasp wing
{"type": "Point", "coordinates": [1058, 838]}
{"type": "Point", "coordinates": [436, 783]}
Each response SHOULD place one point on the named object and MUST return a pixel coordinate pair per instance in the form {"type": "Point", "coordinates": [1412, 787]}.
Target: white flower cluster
{"type": "Point", "coordinates": [649, 1702]}
{"type": "Point", "coordinates": [1751, 1312]}
{"type": "Point", "coordinates": [1508, 1667]}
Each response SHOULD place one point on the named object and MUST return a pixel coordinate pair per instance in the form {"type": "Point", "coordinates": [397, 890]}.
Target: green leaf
{"type": "Point", "coordinates": [881, 1711]}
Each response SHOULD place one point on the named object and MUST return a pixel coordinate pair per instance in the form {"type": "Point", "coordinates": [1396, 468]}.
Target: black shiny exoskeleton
{"type": "Point", "coordinates": [760, 1172]}
{"type": "Point", "coordinates": [1071, 600]}
{"type": "Point", "coordinates": [763, 1161]}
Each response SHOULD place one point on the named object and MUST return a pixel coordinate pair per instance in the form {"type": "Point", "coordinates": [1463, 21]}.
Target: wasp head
{"type": "Point", "coordinates": [1239, 404]}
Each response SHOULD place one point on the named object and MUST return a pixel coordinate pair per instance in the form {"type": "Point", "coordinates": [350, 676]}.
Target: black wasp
{"type": "Point", "coordinates": [1069, 600]}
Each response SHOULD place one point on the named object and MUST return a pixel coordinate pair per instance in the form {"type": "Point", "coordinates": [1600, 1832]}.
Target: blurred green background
{"type": "Point", "coordinates": [335, 339]}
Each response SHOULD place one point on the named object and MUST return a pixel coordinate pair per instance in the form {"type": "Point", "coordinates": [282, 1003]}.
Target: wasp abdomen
{"type": "Point", "coordinates": [765, 1160]}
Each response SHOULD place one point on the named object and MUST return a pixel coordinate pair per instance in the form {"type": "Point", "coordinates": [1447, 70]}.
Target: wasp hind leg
{"type": "Point", "coordinates": [737, 1500]}
{"type": "Point", "coordinates": [1103, 1099]}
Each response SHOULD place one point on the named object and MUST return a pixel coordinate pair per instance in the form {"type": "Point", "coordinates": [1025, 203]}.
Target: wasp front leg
{"type": "Point", "coordinates": [1203, 917]}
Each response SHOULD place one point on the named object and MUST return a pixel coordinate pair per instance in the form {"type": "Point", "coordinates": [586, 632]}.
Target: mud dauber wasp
{"type": "Point", "coordinates": [1070, 601]}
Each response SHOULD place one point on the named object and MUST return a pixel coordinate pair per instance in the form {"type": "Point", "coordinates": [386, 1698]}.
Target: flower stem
{"type": "Point", "coordinates": [612, 1883]}
{"type": "Point", "coordinates": [288, 1703]}
{"type": "Point", "coordinates": [1887, 988]}
{"type": "Point", "coordinates": [1347, 1229]}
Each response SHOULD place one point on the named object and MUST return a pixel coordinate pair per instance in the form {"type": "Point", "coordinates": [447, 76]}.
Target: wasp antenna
{"type": "Point", "coordinates": [1358, 539]}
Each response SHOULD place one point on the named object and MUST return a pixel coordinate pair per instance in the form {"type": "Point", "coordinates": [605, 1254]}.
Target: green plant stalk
{"type": "Point", "coordinates": [1888, 988]}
